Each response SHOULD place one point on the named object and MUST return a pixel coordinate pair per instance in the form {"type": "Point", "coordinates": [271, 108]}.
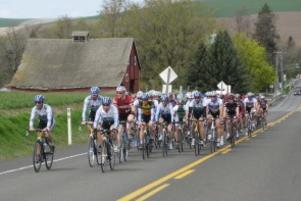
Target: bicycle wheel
{"type": "Point", "coordinates": [100, 155]}
{"type": "Point", "coordinates": [164, 144]}
{"type": "Point", "coordinates": [112, 158]}
{"type": "Point", "coordinates": [91, 152]}
{"type": "Point", "coordinates": [232, 134]}
{"type": "Point", "coordinates": [37, 158]}
{"type": "Point", "coordinates": [212, 141]}
{"type": "Point", "coordinates": [197, 146]}
{"type": "Point", "coordinates": [48, 156]}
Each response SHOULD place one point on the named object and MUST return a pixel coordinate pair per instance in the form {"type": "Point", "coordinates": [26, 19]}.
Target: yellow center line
{"type": "Point", "coordinates": [181, 176]}
{"type": "Point", "coordinates": [153, 192]}
{"type": "Point", "coordinates": [158, 182]}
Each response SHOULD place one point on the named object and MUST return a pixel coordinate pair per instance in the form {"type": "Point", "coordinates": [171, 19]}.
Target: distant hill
{"type": "Point", "coordinates": [228, 8]}
{"type": "Point", "coordinates": [7, 22]}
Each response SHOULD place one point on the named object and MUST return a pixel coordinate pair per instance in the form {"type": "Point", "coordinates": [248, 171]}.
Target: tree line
{"type": "Point", "coordinates": [176, 33]}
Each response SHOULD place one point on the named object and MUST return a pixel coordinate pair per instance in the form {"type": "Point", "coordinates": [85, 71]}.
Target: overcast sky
{"type": "Point", "coordinates": [48, 8]}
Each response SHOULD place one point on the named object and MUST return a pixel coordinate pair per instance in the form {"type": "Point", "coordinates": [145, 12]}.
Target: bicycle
{"type": "Point", "coordinates": [106, 152]}
{"type": "Point", "coordinates": [232, 131]}
{"type": "Point", "coordinates": [124, 145]}
{"type": "Point", "coordinates": [181, 137]}
{"type": "Point", "coordinates": [213, 139]}
{"type": "Point", "coordinates": [42, 151]}
{"type": "Point", "coordinates": [196, 136]}
{"type": "Point", "coordinates": [250, 124]}
{"type": "Point", "coordinates": [146, 144]}
{"type": "Point", "coordinates": [92, 145]}
{"type": "Point", "coordinates": [164, 140]}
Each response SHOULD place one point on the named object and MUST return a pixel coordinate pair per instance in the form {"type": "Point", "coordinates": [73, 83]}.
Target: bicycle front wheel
{"type": "Point", "coordinates": [91, 152]}
{"type": "Point", "coordinates": [37, 158]}
{"type": "Point", "coordinates": [48, 156]}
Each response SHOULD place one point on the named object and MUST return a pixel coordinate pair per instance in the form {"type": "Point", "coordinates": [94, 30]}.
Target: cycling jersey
{"type": "Point", "coordinates": [250, 103]}
{"type": "Point", "coordinates": [121, 102]}
{"type": "Point", "coordinates": [214, 107]}
{"type": "Point", "coordinates": [198, 109]}
{"type": "Point", "coordinates": [146, 111]}
{"type": "Point", "coordinates": [165, 112]}
{"type": "Point", "coordinates": [179, 113]}
{"type": "Point", "coordinates": [45, 116]}
{"type": "Point", "coordinates": [263, 104]}
{"type": "Point", "coordinates": [91, 104]}
{"type": "Point", "coordinates": [103, 116]}
{"type": "Point", "coordinates": [231, 108]}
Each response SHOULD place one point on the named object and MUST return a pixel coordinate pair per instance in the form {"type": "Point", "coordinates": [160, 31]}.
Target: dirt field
{"type": "Point", "coordinates": [288, 24]}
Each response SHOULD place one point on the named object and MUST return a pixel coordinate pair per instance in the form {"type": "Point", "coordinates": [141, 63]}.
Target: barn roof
{"type": "Point", "coordinates": [64, 64]}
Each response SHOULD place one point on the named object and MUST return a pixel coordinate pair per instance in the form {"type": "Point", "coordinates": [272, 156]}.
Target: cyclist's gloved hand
{"type": "Point", "coordinates": [31, 129]}
{"type": "Point", "coordinates": [83, 122]}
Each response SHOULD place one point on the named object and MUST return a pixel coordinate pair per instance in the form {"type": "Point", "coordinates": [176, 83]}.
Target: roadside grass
{"type": "Point", "coordinates": [15, 108]}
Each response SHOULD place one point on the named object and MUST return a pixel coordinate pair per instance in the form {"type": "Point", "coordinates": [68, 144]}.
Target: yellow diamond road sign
{"type": "Point", "coordinates": [168, 75]}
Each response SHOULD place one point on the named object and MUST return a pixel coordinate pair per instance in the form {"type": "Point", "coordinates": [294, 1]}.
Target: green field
{"type": "Point", "coordinates": [15, 108]}
{"type": "Point", "coordinates": [6, 22]}
{"type": "Point", "coordinates": [228, 8]}
{"type": "Point", "coordinates": [14, 100]}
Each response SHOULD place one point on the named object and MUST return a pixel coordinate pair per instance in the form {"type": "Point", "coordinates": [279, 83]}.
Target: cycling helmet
{"type": "Point", "coordinates": [106, 101]}
{"type": "Point", "coordinates": [164, 98]}
{"type": "Point", "coordinates": [197, 94]}
{"type": "Point", "coordinates": [189, 95]}
{"type": "Point", "coordinates": [249, 94]}
{"type": "Point", "coordinates": [94, 90]}
{"type": "Point", "coordinates": [139, 94]}
{"type": "Point", "coordinates": [120, 89]}
{"type": "Point", "coordinates": [39, 98]}
{"type": "Point", "coordinates": [144, 97]}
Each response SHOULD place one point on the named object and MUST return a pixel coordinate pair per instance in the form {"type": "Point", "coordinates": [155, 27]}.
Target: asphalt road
{"type": "Point", "coordinates": [267, 167]}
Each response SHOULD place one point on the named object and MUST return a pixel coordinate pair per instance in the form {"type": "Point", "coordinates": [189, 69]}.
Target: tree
{"type": "Point", "coordinates": [225, 64]}
{"type": "Point", "coordinates": [253, 56]}
{"type": "Point", "coordinates": [265, 32]}
{"type": "Point", "coordinates": [167, 34]}
{"type": "Point", "coordinates": [242, 20]}
{"type": "Point", "coordinates": [198, 75]}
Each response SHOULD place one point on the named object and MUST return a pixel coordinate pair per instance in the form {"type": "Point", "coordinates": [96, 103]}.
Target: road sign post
{"type": "Point", "coordinates": [168, 76]}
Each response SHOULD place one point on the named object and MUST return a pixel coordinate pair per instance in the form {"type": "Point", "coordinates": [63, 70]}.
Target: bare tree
{"type": "Point", "coordinates": [242, 21]}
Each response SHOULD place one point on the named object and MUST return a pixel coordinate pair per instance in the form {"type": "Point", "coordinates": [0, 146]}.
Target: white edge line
{"type": "Point", "coordinates": [30, 166]}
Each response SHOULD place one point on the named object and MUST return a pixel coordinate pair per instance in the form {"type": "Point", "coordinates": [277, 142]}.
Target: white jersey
{"type": "Point", "coordinates": [101, 115]}
{"type": "Point", "coordinates": [199, 104]}
{"type": "Point", "coordinates": [45, 114]}
{"type": "Point", "coordinates": [250, 103]}
{"type": "Point", "coordinates": [89, 103]}
{"type": "Point", "coordinates": [161, 109]}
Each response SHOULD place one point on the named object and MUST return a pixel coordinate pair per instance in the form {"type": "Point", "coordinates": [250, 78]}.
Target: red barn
{"type": "Point", "coordinates": [78, 64]}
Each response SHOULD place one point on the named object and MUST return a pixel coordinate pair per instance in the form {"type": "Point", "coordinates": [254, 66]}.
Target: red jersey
{"type": "Point", "coordinates": [126, 101]}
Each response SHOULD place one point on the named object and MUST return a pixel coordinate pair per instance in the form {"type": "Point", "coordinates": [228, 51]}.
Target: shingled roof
{"type": "Point", "coordinates": [63, 64]}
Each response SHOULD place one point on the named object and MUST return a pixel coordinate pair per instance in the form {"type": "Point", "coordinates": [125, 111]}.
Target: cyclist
{"type": "Point", "coordinates": [92, 103]}
{"type": "Point", "coordinates": [215, 111]}
{"type": "Point", "coordinates": [263, 106]}
{"type": "Point", "coordinates": [145, 117]}
{"type": "Point", "coordinates": [46, 117]}
{"type": "Point", "coordinates": [126, 110]}
{"type": "Point", "coordinates": [241, 121]}
{"type": "Point", "coordinates": [106, 118]}
{"type": "Point", "coordinates": [164, 113]}
{"type": "Point", "coordinates": [179, 115]}
{"type": "Point", "coordinates": [231, 111]}
{"type": "Point", "coordinates": [198, 113]}
{"type": "Point", "coordinates": [251, 106]}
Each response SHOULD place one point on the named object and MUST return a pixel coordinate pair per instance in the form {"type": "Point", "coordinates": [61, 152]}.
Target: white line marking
{"type": "Point", "coordinates": [30, 166]}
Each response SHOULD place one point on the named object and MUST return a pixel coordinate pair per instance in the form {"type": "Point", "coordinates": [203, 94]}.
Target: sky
{"type": "Point", "coordinates": [48, 8]}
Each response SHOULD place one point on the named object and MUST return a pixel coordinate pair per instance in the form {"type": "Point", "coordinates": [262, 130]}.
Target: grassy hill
{"type": "Point", "coordinates": [228, 8]}
{"type": "Point", "coordinates": [6, 22]}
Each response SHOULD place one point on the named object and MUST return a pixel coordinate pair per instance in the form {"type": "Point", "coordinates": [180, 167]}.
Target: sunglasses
{"type": "Point", "coordinates": [38, 102]}
{"type": "Point", "coordinates": [106, 104]}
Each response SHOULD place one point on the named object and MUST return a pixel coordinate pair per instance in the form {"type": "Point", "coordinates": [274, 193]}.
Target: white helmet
{"type": "Point", "coordinates": [139, 94]}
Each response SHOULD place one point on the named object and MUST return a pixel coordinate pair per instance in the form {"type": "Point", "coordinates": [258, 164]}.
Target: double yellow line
{"type": "Point", "coordinates": [158, 185]}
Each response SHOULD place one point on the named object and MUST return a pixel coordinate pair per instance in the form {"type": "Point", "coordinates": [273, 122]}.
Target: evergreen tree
{"type": "Point", "coordinates": [265, 32]}
{"type": "Point", "coordinates": [197, 74]}
{"type": "Point", "coordinates": [225, 65]}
